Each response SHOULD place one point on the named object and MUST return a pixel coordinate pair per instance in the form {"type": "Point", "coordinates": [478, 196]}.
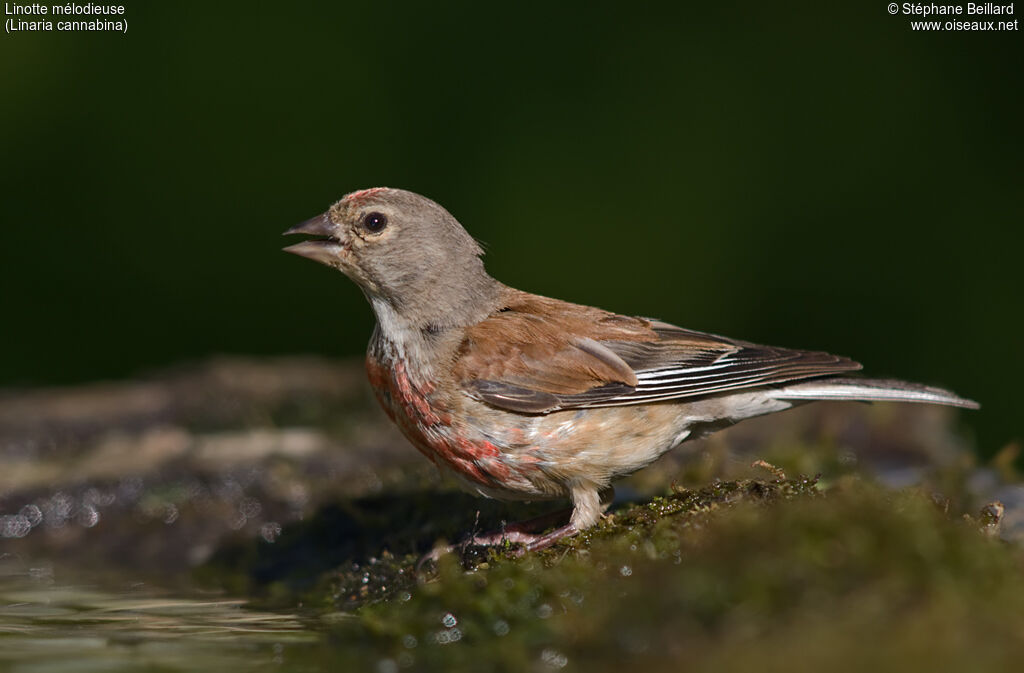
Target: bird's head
{"type": "Point", "coordinates": [407, 253]}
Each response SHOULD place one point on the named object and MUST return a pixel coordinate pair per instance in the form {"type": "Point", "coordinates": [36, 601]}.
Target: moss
{"type": "Point", "coordinates": [776, 574]}
{"type": "Point", "coordinates": [771, 574]}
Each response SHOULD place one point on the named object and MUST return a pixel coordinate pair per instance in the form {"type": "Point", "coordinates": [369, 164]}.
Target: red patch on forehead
{"type": "Point", "coordinates": [364, 194]}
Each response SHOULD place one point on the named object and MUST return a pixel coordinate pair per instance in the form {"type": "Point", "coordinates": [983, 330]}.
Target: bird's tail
{"type": "Point", "coordinates": [871, 390]}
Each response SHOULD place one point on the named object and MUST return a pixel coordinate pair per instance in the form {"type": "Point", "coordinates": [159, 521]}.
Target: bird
{"type": "Point", "coordinates": [519, 396]}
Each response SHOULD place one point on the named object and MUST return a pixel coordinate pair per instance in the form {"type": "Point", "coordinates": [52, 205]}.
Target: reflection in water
{"type": "Point", "coordinates": [46, 626]}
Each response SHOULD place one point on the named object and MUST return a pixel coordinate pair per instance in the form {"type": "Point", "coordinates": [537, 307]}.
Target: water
{"type": "Point", "coordinates": [50, 626]}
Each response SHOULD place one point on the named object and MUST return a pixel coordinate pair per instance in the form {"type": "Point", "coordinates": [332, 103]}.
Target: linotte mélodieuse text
{"type": "Point", "coordinates": [84, 16]}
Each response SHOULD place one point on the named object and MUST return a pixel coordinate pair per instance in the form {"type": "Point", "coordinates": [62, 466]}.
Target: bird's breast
{"type": "Point", "coordinates": [427, 419]}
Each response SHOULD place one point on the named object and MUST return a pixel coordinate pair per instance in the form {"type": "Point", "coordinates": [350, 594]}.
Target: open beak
{"type": "Point", "coordinates": [324, 249]}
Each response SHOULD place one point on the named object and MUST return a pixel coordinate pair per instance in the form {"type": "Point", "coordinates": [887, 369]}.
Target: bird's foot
{"type": "Point", "coordinates": [516, 538]}
{"type": "Point", "coordinates": [515, 534]}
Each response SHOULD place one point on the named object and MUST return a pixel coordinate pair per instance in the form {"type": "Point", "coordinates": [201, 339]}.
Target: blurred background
{"type": "Point", "coordinates": [799, 174]}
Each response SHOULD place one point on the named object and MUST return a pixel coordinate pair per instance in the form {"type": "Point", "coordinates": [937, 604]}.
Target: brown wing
{"type": "Point", "coordinates": [538, 355]}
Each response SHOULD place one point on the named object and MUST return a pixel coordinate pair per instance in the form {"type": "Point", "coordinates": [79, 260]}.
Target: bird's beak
{"type": "Point", "coordinates": [325, 250]}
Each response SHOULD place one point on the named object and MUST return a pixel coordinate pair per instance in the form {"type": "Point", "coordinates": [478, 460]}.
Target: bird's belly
{"type": "Point", "coordinates": [510, 455]}
{"type": "Point", "coordinates": [601, 444]}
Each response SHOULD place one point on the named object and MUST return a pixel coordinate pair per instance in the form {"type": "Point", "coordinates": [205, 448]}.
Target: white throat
{"type": "Point", "coordinates": [403, 340]}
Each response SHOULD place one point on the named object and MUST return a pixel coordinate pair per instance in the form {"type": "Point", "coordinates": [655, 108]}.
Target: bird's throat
{"type": "Point", "coordinates": [428, 333]}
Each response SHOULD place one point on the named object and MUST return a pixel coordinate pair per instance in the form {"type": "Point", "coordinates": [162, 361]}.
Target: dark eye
{"type": "Point", "coordinates": [375, 222]}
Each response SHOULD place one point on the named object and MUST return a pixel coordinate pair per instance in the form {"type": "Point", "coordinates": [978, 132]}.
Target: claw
{"type": "Point", "coordinates": [516, 534]}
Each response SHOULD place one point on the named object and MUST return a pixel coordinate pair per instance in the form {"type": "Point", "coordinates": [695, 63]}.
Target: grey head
{"type": "Point", "coordinates": [411, 257]}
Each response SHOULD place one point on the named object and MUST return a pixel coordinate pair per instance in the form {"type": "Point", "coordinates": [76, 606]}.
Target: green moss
{"type": "Point", "coordinates": [737, 575]}
{"type": "Point", "coordinates": [729, 577]}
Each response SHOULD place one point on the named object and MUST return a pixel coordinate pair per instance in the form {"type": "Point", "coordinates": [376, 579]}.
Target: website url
{"type": "Point", "coordinates": [964, 25]}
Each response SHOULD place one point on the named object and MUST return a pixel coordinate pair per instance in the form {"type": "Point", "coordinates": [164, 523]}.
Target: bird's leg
{"type": "Point", "coordinates": [589, 504]}
{"type": "Point", "coordinates": [526, 532]}
{"type": "Point", "coordinates": [519, 533]}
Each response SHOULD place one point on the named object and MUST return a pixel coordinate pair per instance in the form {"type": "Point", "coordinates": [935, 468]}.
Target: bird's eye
{"type": "Point", "coordinates": [375, 222]}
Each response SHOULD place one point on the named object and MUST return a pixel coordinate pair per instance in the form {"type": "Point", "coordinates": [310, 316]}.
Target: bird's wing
{"type": "Point", "coordinates": [538, 355]}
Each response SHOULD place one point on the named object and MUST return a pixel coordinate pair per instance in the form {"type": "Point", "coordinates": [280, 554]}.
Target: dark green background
{"type": "Point", "coordinates": [794, 173]}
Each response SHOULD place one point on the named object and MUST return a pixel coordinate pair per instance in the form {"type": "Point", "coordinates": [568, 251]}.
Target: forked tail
{"type": "Point", "coordinates": [871, 390]}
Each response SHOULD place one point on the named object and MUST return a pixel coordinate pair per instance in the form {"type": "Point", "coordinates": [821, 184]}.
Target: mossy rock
{"type": "Point", "coordinates": [774, 575]}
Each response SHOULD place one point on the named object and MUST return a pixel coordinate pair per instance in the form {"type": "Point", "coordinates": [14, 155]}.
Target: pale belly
{"type": "Point", "coordinates": [598, 445]}
{"type": "Point", "coordinates": [510, 455]}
